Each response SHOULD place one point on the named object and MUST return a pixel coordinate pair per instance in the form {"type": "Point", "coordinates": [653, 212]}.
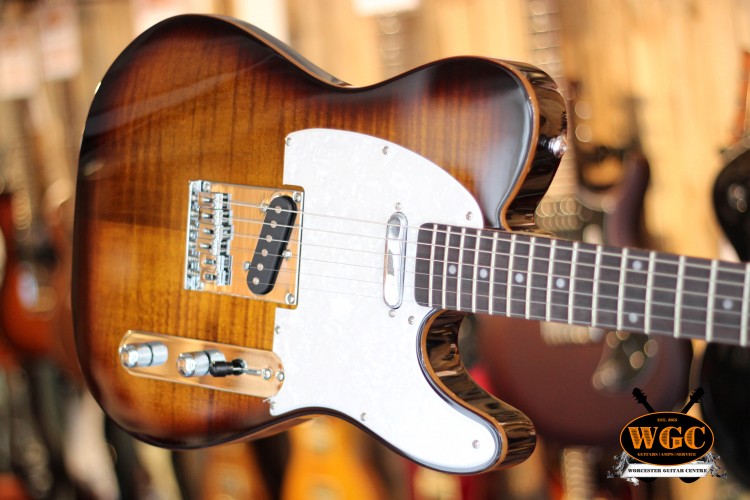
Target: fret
{"type": "Point", "coordinates": [608, 288]}
{"type": "Point", "coordinates": [509, 276]}
{"type": "Point", "coordinates": [491, 296]}
{"type": "Point", "coordinates": [710, 301]}
{"type": "Point", "coordinates": [571, 280]}
{"type": "Point", "coordinates": [726, 300]}
{"type": "Point", "coordinates": [502, 274]}
{"type": "Point", "coordinates": [649, 291]}
{"type": "Point", "coordinates": [484, 259]}
{"type": "Point", "coordinates": [678, 297]}
{"type": "Point", "coordinates": [452, 269]}
{"type": "Point", "coordinates": [530, 275]}
{"type": "Point", "coordinates": [745, 297]}
{"type": "Point", "coordinates": [550, 279]}
{"type": "Point", "coordinates": [425, 267]}
{"type": "Point", "coordinates": [537, 292]}
{"type": "Point", "coordinates": [695, 298]}
{"type": "Point", "coordinates": [432, 266]}
{"type": "Point", "coordinates": [635, 276]}
{"type": "Point", "coordinates": [466, 267]}
{"type": "Point", "coordinates": [460, 264]}
{"type": "Point", "coordinates": [595, 287]}
{"type": "Point", "coordinates": [560, 269]}
{"type": "Point", "coordinates": [664, 294]}
{"type": "Point", "coordinates": [518, 277]}
{"type": "Point", "coordinates": [583, 285]}
{"type": "Point", "coordinates": [621, 289]}
{"type": "Point", "coordinates": [475, 272]}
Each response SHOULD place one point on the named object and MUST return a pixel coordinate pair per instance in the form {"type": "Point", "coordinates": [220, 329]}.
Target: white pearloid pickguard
{"type": "Point", "coordinates": [341, 349]}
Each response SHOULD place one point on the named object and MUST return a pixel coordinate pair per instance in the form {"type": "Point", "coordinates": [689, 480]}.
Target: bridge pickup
{"type": "Point", "coordinates": [240, 238]}
{"type": "Point", "coordinates": [272, 243]}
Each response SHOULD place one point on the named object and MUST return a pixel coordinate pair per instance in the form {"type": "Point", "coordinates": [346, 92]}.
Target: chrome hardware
{"type": "Point", "coordinates": [217, 215]}
{"type": "Point", "coordinates": [143, 355]}
{"type": "Point", "coordinates": [203, 363]}
{"type": "Point", "coordinates": [556, 145]}
{"type": "Point", "coordinates": [394, 260]}
{"type": "Point", "coordinates": [197, 364]}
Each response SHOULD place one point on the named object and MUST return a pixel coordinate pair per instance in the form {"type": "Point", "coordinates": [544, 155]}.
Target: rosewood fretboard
{"type": "Point", "coordinates": [519, 275]}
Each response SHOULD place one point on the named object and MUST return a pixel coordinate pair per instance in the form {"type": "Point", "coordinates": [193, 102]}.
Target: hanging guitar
{"type": "Point", "coordinates": [256, 241]}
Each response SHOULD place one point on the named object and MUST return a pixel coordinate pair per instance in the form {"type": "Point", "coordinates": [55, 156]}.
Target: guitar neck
{"type": "Point", "coordinates": [539, 278]}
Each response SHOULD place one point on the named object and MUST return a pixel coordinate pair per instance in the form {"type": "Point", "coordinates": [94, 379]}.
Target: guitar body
{"type": "Point", "coordinates": [204, 98]}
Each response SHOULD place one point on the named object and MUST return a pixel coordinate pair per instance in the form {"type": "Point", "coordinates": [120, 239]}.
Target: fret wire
{"type": "Point", "coordinates": [595, 289]}
{"type": "Point", "coordinates": [510, 273]}
{"type": "Point", "coordinates": [529, 272]}
{"type": "Point", "coordinates": [553, 247]}
{"type": "Point", "coordinates": [611, 254]}
{"type": "Point", "coordinates": [678, 296]}
{"type": "Point", "coordinates": [492, 272]}
{"type": "Point", "coordinates": [745, 297]}
{"type": "Point", "coordinates": [571, 282]}
{"type": "Point", "coordinates": [710, 301]}
{"type": "Point", "coordinates": [445, 270]}
{"type": "Point", "coordinates": [621, 290]}
{"type": "Point", "coordinates": [431, 278]}
{"type": "Point", "coordinates": [605, 282]}
{"type": "Point", "coordinates": [460, 267]}
{"type": "Point", "coordinates": [648, 306]}
{"type": "Point", "coordinates": [477, 239]}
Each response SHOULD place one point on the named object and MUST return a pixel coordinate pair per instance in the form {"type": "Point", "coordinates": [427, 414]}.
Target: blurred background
{"type": "Point", "coordinates": [656, 93]}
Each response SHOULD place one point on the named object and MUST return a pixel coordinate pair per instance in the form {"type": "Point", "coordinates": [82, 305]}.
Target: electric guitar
{"type": "Point", "coordinates": [256, 242]}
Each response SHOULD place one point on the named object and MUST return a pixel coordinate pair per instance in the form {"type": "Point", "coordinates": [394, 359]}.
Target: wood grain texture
{"type": "Point", "coordinates": [202, 98]}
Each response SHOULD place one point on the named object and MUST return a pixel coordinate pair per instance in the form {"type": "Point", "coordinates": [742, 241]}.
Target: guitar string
{"type": "Point", "coordinates": [704, 264]}
{"type": "Point", "coordinates": [491, 300]}
{"type": "Point", "coordinates": [629, 271]}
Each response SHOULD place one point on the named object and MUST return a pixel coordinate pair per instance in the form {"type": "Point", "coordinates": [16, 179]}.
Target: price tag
{"type": "Point", "coordinates": [19, 70]}
{"type": "Point", "coordinates": [59, 37]}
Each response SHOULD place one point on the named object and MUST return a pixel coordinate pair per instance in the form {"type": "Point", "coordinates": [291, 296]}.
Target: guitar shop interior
{"type": "Point", "coordinates": [650, 157]}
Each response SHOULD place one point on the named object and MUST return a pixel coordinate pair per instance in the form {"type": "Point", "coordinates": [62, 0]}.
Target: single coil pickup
{"type": "Point", "coordinates": [272, 243]}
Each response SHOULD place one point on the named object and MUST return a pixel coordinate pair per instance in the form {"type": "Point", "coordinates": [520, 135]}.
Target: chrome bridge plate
{"type": "Point", "coordinates": [266, 383]}
{"type": "Point", "coordinates": [224, 226]}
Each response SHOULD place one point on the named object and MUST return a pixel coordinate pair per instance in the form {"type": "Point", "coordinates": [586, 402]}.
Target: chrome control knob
{"type": "Point", "coordinates": [141, 355]}
{"type": "Point", "coordinates": [197, 364]}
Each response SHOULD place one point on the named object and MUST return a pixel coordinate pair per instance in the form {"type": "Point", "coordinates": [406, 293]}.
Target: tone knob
{"type": "Point", "coordinates": [141, 355]}
{"type": "Point", "coordinates": [197, 364]}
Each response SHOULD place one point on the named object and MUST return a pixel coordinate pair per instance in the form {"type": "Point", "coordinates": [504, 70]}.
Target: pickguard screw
{"type": "Point", "coordinates": [475, 443]}
{"type": "Point", "coordinates": [264, 207]}
{"type": "Point", "coordinates": [288, 141]}
{"type": "Point", "coordinates": [273, 405]}
{"type": "Point", "coordinates": [398, 206]}
{"type": "Point", "coordinates": [287, 254]}
{"type": "Point", "coordinates": [411, 320]}
{"type": "Point", "coordinates": [392, 313]}
{"type": "Point", "coordinates": [386, 150]}
{"type": "Point", "coordinates": [363, 417]}
{"type": "Point", "coordinates": [290, 298]}
{"type": "Point", "coordinates": [297, 197]}
{"type": "Point", "coordinates": [277, 330]}
{"type": "Point", "coordinates": [469, 215]}
{"type": "Point", "coordinates": [246, 266]}
{"type": "Point", "coordinates": [280, 376]}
